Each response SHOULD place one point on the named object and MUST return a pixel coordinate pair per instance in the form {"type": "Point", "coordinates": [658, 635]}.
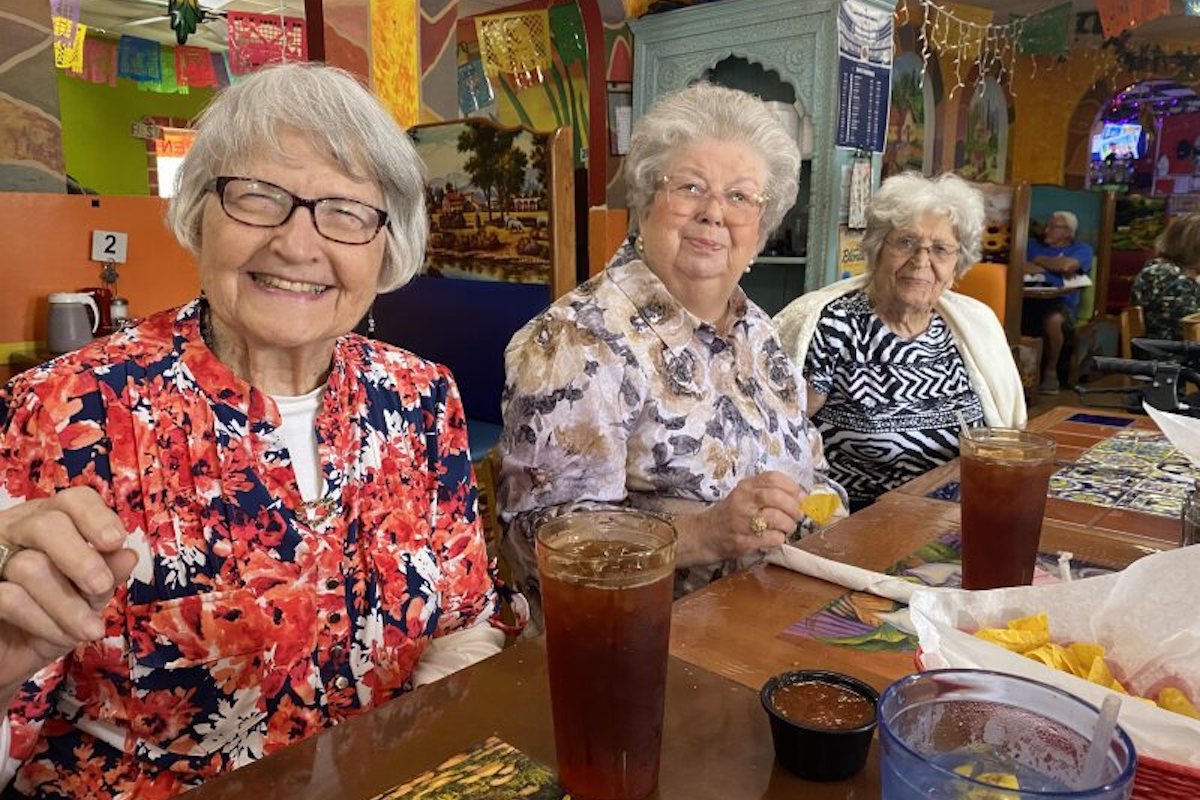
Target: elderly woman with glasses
{"type": "Point", "coordinates": [237, 523]}
{"type": "Point", "coordinates": [657, 384]}
{"type": "Point", "coordinates": [897, 363]}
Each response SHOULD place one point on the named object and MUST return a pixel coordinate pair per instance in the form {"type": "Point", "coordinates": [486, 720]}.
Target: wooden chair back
{"type": "Point", "coordinates": [1133, 325]}
{"type": "Point", "coordinates": [487, 471]}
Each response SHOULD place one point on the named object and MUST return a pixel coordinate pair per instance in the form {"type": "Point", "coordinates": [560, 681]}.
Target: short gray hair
{"type": "Point", "coordinates": [340, 117]}
{"type": "Point", "coordinates": [905, 198]}
{"type": "Point", "coordinates": [1067, 217]}
{"type": "Point", "coordinates": [706, 111]}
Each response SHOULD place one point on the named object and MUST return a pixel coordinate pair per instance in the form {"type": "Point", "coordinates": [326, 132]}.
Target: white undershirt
{"type": "Point", "coordinates": [299, 431]}
{"type": "Point", "coordinates": [444, 655]}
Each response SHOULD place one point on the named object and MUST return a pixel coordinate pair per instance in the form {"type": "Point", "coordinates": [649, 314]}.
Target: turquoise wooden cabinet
{"type": "Point", "coordinates": [783, 50]}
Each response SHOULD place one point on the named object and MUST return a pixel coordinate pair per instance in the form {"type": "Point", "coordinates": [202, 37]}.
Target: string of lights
{"type": "Point", "coordinates": [989, 46]}
{"type": "Point", "coordinates": [952, 32]}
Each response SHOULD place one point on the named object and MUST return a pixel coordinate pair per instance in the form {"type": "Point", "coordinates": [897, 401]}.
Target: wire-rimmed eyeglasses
{"type": "Point", "coordinates": [909, 246]}
{"type": "Point", "coordinates": [689, 195]}
{"type": "Point", "coordinates": [264, 205]}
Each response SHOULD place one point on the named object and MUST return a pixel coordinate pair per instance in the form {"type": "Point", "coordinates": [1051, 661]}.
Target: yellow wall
{"type": "Point", "coordinates": [1045, 95]}
{"type": "Point", "coordinates": [1045, 102]}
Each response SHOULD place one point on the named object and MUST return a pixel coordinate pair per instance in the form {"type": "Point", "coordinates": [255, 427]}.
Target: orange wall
{"type": "Point", "coordinates": [47, 240]}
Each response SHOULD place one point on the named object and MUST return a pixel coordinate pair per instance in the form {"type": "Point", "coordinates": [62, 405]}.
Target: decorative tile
{"type": "Point", "coordinates": [1153, 503]}
{"type": "Point", "coordinates": [1120, 459]}
{"type": "Point", "coordinates": [950, 490]}
{"type": "Point", "coordinates": [1100, 419]}
{"type": "Point", "coordinates": [1167, 486]}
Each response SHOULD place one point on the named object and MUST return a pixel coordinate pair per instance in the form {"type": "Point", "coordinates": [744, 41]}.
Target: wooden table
{"type": "Point", "coordinates": [724, 645]}
{"type": "Point", "coordinates": [1073, 439]}
{"type": "Point", "coordinates": [732, 626]}
{"type": "Point", "coordinates": [716, 741]}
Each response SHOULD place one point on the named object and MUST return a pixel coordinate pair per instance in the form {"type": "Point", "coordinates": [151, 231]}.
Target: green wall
{"type": "Point", "coordinates": [97, 147]}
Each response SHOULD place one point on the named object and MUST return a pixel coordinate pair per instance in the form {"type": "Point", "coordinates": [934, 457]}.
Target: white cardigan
{"type": "Point", "coordinates": [976, 331]}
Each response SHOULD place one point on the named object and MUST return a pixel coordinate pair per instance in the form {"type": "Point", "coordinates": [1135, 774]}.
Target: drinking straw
{"type": "Point", "coordinates": [962, 421]}
{"type": "Point", "coordinates": [1093, 760]}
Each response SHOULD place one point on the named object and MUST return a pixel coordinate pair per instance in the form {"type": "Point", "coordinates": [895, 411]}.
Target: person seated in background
{"type": "Point", "coordinates": [896, 363]}
{"type": "Point", "coordinates": [1055, 258]}
{"type": "Point", "coordinates": [658, 384]}
{"type": "Point", "coordinates": [236, 523]}
{"type": "Point", "coordinates": [1166, 288]}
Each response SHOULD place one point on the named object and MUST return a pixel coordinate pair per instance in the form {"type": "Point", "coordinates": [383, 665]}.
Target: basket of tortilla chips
{"type": "Point", "coordinates": [1135, 633]}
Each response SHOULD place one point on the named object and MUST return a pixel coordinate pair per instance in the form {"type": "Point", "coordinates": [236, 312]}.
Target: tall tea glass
{"type": "Point", "coordinates": [607, 581]}
{"type": "Point", "coordinates": [1005, 474]}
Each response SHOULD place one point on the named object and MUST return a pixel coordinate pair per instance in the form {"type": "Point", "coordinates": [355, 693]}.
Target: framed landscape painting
{"type": "Point", "coordinates": [500, 203]}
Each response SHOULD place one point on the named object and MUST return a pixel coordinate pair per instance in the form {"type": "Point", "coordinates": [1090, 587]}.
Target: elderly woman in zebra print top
{"type": "Point", "coordinates": [893, 358]}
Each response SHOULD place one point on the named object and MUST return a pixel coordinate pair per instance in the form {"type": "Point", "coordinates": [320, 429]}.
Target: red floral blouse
{"type": "Point", "coordinates": [252, 620]}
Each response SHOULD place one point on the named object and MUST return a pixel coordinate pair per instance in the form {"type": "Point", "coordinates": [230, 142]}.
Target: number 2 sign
{"type": "Point", "coordinates": [109, 246]}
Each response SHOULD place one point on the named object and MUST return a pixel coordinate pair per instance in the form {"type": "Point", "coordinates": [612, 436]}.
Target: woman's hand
{"type": "Point", "coordinates": [758, 514]}
{"type": "Point", "coordinates": [67, 563]}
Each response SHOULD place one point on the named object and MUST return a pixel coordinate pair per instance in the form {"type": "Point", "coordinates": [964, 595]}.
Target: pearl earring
{"type": "Point", "coordinates": [639, 244]}
{"type": "Point", "coordinates": [749, 265]}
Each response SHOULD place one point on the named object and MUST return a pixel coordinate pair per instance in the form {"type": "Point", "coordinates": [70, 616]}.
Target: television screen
{"type": "Point", "coordinates": [1117, 139]}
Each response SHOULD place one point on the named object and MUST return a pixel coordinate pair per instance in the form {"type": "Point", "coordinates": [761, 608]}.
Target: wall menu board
{"type": "Point", "coordinates": [864, 79]}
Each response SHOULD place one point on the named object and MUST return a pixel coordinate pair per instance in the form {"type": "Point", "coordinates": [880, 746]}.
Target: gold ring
{"type": "Point", "coordinates": [758, 524]}
{"type": "Point", "coordinates": [7, 551]}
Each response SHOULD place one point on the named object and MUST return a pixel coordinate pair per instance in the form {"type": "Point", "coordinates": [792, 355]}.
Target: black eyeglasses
{"type": "Point", "coordinates": [265, 205]}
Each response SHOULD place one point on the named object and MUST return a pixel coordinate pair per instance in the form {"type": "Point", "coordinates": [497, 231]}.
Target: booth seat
{"type": "Point", "coordinates": [465, 325]}
{"type": "Point", "coordinates": [987, 283]}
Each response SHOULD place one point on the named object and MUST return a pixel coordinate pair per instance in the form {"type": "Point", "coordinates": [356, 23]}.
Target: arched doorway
{"type": "Point", "coordinates": [1113, 134]}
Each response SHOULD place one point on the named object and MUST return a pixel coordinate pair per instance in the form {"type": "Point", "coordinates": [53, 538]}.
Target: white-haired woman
{"type": "Point", "coordinates": [658, 384]}
{"type": "Point", "coordinates": [237, 523]}
{"type": "Point", "coordinates": [894, 360]}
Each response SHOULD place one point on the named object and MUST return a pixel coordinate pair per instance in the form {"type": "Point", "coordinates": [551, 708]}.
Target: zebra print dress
{"type": "Point", "coordinates": [891, 408]}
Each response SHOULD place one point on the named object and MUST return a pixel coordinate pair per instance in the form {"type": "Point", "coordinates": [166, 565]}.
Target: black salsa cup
{"type": "Point", "coordinates": [813, 753]}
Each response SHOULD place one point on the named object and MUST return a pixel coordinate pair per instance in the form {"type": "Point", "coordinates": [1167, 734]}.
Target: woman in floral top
{"type": "Point", "coordinates": [1167, 288]}
{"type": "Point", "coordinates": [238, 523]}
{"type": "Point", "coordinates": [658, 384]}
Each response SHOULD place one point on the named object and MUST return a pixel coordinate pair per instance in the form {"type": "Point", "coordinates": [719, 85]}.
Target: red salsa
{"type": "Point", "coordinates": [818, 704]}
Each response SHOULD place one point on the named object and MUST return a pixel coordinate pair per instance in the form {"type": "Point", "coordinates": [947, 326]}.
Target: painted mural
{"type": "Point", "coordinates": [984, 143]}
{"type": "Point", "coordinates": [539, 95]}
{"type": "Point", "coordinates": [31, 158]}
{"type": "Point", "coordinates": [487, 200]}
{"type": "Point", "coordinates": [910, 128]}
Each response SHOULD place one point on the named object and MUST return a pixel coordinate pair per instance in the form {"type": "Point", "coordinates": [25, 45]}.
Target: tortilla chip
{"type": "Point", "coordinates": [1054, 656]}
{"type": "Point", "coordinates": [1016, 641]}
{"type": "Point", "coordinates": [820, 506]}
{"type": "Point", "coordinates": [1039, 623]}
{"type": "Point", "coordinates": [1085, 653]}
{"type": "Point", "coordinates": [1100, 673]}
{"type": "Point", "coordinates": [1173, 699]}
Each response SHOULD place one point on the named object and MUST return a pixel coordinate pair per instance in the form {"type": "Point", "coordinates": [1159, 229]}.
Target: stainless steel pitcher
{"type": "Point", "coordinates": [69, 326]}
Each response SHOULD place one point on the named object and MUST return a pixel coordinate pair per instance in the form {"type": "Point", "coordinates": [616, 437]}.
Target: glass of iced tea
{"type": "Point", "coordinates": [1004, 475]}
{"type": "Point", "coordinates": [607, 579]}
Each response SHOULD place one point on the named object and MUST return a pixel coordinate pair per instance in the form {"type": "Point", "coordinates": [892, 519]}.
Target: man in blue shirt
{"type": "Point", "coordinates": [1056, 257]}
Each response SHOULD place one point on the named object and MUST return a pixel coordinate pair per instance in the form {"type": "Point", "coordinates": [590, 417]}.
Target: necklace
{"type": "Point", "coordinates": [318, 512]}
{"type": "Point", "coordinates": [313, 513]}
{"type": "Point", "coordinates": [206, 330]}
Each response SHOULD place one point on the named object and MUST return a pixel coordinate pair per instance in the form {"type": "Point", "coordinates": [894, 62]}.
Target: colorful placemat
{"type": "Point", "coordinates": [490, 770]}
{"type": "Point", "coordinates": [865, 622]}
